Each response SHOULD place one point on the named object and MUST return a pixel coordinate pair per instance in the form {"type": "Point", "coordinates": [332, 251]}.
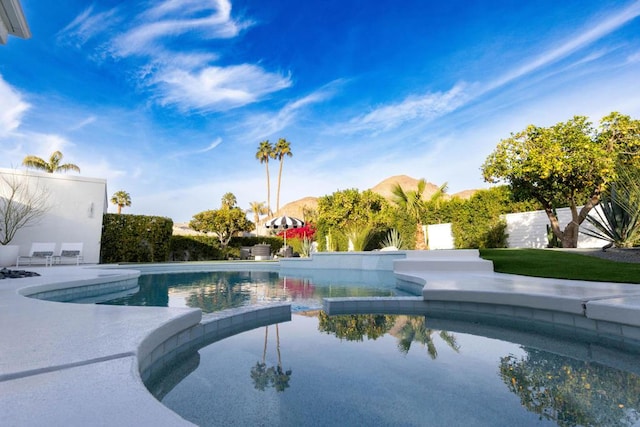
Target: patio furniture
{"type": "Point", "coordinates": [39, 253]}
{"type": "Point", "coordinates": [261, 252]}
{"type": "Point", "coordinates": [69, 251]}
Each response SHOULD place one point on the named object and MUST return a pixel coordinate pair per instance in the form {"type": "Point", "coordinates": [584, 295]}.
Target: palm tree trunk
{"type": "Point", "coordinates": [119, 209]}
{"type": "Point", "coordinates": [266, 335]}
{"type": "Point", "coordinates": [420, 240]}
{"type": "Point", "coordinates": [279, 179]}
{"type": "Point", "coordinates": [268, 190]}
{"type": "Point", "coordinates": [278, 346]}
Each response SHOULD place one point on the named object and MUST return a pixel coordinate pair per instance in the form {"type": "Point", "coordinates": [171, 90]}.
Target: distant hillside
{"type": "Point", "coordinates": [384, 188]}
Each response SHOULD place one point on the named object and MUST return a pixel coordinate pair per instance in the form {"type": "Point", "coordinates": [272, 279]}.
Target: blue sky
{"type": "Point", "coordinates": [169, 99]}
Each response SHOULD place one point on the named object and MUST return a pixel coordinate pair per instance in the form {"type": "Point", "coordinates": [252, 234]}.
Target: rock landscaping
{"type": "Point", "coordinates": [15, 274]}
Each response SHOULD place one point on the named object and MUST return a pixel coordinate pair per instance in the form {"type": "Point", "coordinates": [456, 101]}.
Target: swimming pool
{"type": "Point", "coordinates": [220, 290]}
{"type": "Point", "coordinates": [292, 374]}
{"type": "Point", "coordinates": [399, 370]}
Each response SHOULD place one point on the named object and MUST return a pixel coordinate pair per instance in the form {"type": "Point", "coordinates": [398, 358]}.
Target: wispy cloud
{"type": "Point", "coordinates": [216, 142]}
{"type": "Point", "coordinates": [259, 125]}
{"type": "Point", "coordinates": [426, 107]}
{"type": "Point", "coordinates": [88, 25]}
{"type": "Point", "coordinates": [217, 88]}
{"type": "Point", "coordinates": [187, 79]}
{"type": "Point", "coordinates": [210, 19]}
{"type": "Point", "coordinates": [430, 106]}
{"type": "Point", "coordinates": [12, 108]}
{"type": "Point", "coordinates": [581, 40]}
{"type": "Point", "coordinates": [90, 119]}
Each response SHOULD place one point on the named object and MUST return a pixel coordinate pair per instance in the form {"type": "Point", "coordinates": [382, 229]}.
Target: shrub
{"type": "Point", "coordinates": [135, 238]}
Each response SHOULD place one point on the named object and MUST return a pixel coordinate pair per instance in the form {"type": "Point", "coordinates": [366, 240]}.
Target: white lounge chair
{"type": "Point", "coordinates": [40, 252]}
{"type": "Point", "coordinates": [70, 251]}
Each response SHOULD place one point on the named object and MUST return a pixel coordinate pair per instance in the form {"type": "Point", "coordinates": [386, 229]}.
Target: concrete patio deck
{"type": "Point", "coordinates": [82, 364]}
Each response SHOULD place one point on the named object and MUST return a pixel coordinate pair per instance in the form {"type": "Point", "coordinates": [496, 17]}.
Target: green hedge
{"type": "Point", "coordinates": [135, 238]}
{"type": "Point", "coordinates": [204, 248]}
{"type": "Point", "coordinates": [194, 248]}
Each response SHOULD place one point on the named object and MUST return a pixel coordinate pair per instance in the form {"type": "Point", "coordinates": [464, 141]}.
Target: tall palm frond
{"type": "Point", "coordinates": [51, 166]}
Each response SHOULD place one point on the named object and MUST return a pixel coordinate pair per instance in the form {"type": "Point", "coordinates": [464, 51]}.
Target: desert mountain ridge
{"type": "Point", "coordinates": [384, 188]}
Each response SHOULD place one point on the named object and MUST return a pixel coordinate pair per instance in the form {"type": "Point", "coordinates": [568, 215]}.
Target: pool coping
{"type": "Point", "coordinates": [88, 359]}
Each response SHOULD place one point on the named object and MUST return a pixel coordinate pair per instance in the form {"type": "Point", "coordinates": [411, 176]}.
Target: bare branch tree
{"type": "Point", "coordinates": [21, 205]}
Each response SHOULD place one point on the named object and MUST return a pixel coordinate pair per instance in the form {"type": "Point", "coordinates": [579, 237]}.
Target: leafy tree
{"type": "Point", "coordinates": [412, 202]}
{"type": "Point", "coordinates": [265, 152]}
{"type": "Point", "coordinates": [51, 166]}
{"type": "Point", "coordinates": [225, 223]}
{"type": "Point", "coordinates": [568, 164]}
{"type": "Point", "coordinates": [282, 150]}
{"type": "Point", "coordinates": [121, 199]}
{"type": "Point", "coordinates": [346, 209]}
{"type": "Point", "coordinates": [477, 222]}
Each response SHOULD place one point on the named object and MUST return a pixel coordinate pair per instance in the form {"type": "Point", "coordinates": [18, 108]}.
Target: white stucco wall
{"type": "Point", "coordinates": [440, 236]}
{"type": "Point", "coordinates": [529, 230]}
{"type": "Point", "coordinates": [525, 230]}
{"type": "Point", "coordinates": [76, 206]}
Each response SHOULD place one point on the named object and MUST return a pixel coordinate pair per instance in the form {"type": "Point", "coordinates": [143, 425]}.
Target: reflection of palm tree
{"type": "Point", "coordinates": [415, 329]}
{"type": "Point", "coordinates": [274, 376]}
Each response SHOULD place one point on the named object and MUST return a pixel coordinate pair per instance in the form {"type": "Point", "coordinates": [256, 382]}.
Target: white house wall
{"type": "Point", "coordinates": [76, 207]}
{"type": "Point", "coordinates": [525, 230]}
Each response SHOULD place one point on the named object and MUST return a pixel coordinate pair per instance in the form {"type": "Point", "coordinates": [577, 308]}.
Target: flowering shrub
{"type": "Point", "coordinates": [308, 231]}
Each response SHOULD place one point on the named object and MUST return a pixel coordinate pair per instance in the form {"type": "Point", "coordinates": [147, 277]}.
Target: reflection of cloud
{"type": "Point", "coordinates": [12, 107]}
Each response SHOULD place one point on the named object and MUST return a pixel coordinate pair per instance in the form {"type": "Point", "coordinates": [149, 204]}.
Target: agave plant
{"type": "Point", "coordinates": [393, 239]}
{"type": "Point", "coordinates": [359, 237]}
{"type": "Point", "coordinates": [618, 218]}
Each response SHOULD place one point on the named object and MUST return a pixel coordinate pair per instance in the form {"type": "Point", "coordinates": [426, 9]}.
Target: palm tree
{"type": "Point", "coordinates": [415, 205]}
{"type": "Point", "coordinates": [229, 201]}
{"type": "Point", "coordinates": [121, 199]}
{"type": "Point", "coordinates": [51, 166]}
{"type": "Point", "coordinates": [264, 153]}
{"type": "Point", "coordinates": [257, 209]}
{"type": "Point", "coordinates": [282, 149]}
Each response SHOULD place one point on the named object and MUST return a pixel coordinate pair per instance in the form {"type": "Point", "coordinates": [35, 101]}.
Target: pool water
{"type": "Point", "coordinates": [215, 291]}
{"type": "Point", "coordinates": [392, 370]}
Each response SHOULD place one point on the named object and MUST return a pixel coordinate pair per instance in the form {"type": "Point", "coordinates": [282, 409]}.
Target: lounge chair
{"type": "Point", "coordinates": [69, 251]}
{"type": "Point", "coordinates": [39, 253]}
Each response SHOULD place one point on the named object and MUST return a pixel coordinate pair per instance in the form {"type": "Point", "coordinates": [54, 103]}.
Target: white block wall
{"type": "Point", "coordinates": [525, 230]}
{"type": "Point", "coordinates": [76, 207]}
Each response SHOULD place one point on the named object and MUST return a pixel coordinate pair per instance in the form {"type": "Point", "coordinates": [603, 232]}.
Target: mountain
{"type": "Point", "coordinates": [384, 188]}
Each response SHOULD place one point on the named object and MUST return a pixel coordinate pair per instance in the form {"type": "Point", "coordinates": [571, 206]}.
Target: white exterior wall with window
{"type": "Point", "coordinates": [76, 205]}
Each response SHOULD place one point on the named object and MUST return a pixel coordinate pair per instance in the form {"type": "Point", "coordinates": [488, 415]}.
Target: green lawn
{"type": "Point", "coordinates": [561, 265]}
